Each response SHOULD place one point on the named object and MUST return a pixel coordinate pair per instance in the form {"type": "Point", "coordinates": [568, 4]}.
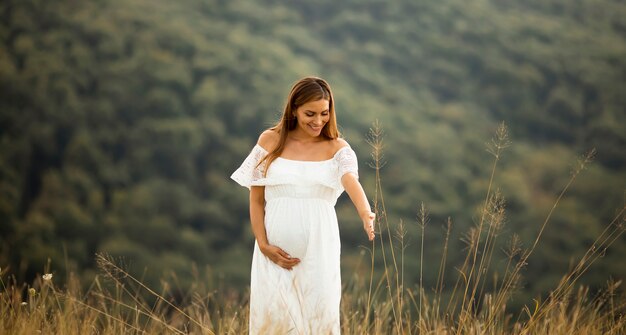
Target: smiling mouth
{"type": "Point", "coordinates": [316, 128]}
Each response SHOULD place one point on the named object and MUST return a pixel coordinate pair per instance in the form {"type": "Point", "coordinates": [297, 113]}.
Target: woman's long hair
{"type": "Point", "coordinates": [304, 90]}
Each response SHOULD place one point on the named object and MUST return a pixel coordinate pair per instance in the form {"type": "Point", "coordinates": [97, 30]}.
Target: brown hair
{"type": "Point", "coordinates": [304, 90]}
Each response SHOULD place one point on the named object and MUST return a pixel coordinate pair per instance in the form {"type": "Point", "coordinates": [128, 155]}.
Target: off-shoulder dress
{"type": "Point", "coordinates": [300, 218]}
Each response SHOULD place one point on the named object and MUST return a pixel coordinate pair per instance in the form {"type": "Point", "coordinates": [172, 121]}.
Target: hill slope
{"type": "Point", "coordinates": [122, 120]}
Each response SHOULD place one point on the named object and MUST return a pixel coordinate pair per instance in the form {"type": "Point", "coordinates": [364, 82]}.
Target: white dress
{"type": "Point", "coordinates": [300, 218]}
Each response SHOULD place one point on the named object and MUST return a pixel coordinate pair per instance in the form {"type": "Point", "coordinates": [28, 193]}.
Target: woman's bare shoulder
{"type": "Point", "coordinates": [339, 143]}
{"type": "Point", "coordinates": [268, 139]}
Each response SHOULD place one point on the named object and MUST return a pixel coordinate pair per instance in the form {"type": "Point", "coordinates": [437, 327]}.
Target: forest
{"type": "Point", "coordinates": [121, 122]}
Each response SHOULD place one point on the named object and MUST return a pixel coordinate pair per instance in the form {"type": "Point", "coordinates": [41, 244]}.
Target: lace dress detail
{"type": "Point", "coordinates": [299, 218]}
{"type": "Point", "coordinates": [347, 162]}
{"type": "Point", "coordinates": [249, 173]}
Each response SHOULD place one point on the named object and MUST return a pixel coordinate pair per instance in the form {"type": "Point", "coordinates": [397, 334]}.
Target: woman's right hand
{"type": "Point", "coordinates": [279, 256]}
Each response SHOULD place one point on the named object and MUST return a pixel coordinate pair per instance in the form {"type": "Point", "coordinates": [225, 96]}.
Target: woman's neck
{"type": "Point", "coordinates": [303, 137]}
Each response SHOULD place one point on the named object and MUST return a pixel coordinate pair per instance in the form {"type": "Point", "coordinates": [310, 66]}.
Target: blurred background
{"type": "Point", "coordinates": [121, 122]}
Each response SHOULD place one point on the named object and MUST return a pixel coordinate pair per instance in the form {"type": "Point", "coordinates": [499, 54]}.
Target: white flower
{"type": "Point", "coordinates": [24, 303]}
{"type": "Point", "coordinates": [47, 276]}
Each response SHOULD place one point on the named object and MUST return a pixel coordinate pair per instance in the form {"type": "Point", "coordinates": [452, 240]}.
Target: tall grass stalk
{"type": "Point", "coordinates": [498, 144]}
{"type": "Point", "coordinates": [376, 142]}
{"type": "Point", "coordinates": [442, 267]}
{"type": "Point", "coordinates": [422, 224]}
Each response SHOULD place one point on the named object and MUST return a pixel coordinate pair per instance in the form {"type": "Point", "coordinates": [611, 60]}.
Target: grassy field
{"type": "Point", "coordinates": [118, 303]}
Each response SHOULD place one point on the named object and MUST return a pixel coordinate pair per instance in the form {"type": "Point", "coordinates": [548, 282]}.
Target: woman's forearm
{"type": "Point", "coordinates": [357, 194]}
{"type": "Point", "coordinates": [359, 199]}
{"type": "Point", "coordinates": [257, 214]}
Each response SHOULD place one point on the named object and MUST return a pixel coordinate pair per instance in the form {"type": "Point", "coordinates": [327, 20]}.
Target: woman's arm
{"type": "Point", "coordinates": [257, 217]}
{"type": "Point", "coordinates": [359, 199]}
{"type": "Point", "coordinates": [268, 139]}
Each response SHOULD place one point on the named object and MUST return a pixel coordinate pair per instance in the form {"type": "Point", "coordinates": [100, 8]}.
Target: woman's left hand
{"type": "Point", "coordinates": [368, 224]}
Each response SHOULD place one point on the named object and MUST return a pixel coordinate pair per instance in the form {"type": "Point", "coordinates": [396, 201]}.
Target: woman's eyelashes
{"type": "Point", "coordinates": [313, 114]}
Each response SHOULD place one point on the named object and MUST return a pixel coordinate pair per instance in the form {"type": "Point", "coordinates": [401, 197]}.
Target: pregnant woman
{"type": "Point", "coordinates": [295, 174]}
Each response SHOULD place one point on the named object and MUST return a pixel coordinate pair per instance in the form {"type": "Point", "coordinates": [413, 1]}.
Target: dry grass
{"type": "Point", "coordinates": [118, 303]}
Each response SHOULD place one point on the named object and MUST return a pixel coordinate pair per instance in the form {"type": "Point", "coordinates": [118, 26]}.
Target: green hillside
{"type": "Point", "coordinates": [121, 121]}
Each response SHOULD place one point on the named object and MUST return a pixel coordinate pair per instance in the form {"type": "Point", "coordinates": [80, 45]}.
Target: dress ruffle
{"type": "Point", "coordinates": [250, 173]}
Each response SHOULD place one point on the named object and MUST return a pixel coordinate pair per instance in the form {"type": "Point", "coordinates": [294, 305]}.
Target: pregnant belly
{"type": "Point", "coordinates": [288, 228]}
{"type": "Point", "coordinates": [290, 236]}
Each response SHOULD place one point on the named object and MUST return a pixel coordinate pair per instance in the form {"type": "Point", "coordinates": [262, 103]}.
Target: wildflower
{"type": "Point", "coordinates": [47, 276]}
{"type": "Point", "coordinates": [32, 291]}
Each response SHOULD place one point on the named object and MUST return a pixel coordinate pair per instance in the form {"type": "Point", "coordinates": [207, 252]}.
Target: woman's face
{"type": "Point", "coordinates": [312, 117]}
